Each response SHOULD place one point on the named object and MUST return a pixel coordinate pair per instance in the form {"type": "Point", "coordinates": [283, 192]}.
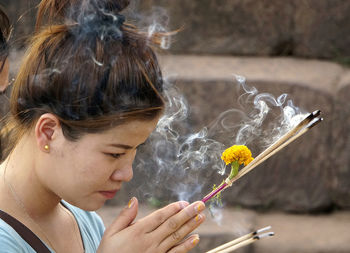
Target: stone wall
{"type": "Point", "coordinates": [302, 28]}
{"type": "Point", "coordinates": [341, 143]}
{"type": "Point", "coordinates": [22, 17]}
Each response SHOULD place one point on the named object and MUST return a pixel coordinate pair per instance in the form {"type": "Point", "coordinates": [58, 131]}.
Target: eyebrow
{"type": "Point", "coordinates": [124, 146]}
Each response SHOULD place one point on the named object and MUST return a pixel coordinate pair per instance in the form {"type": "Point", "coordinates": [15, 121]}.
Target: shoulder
{"type": "Point", "coordinates": [10, 241]}
{"type": "Point", "coordinates": [90, 224]}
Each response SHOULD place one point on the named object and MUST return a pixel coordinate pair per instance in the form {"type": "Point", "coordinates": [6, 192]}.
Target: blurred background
{"type": "Point", "coordinates": [298, 47]}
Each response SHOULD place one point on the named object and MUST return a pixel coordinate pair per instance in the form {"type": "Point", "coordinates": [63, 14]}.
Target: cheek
{"type": "Point", "coordinates": [79, 178]}
{"type": "Point", "coordinates": [91, 170]}
{"type": "Point", "coordinates": [81, 168]}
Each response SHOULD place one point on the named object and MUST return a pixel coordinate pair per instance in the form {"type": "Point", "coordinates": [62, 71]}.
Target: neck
{"type": "Point", "coordinates": [21, 182]}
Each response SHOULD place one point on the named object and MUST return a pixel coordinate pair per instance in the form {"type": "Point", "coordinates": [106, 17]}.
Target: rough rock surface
{"type": "Point", "coordinates": [341, 143]}
{"type": "Point", "coordinates": [321, 29]}
{"type": "Point", "coordinates": [22, 17]}
{"type": "Point", "coordinates": [307, 28]}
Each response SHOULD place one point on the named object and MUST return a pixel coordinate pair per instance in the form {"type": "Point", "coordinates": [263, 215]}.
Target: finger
{"type": "Point", "coordinates": [171, 226]}
{"type": "Point", "coordinates": [182, 232]}
{"type": "Point", "coordinates": [154, 220]}
{"type": "Point", "coordinates": [125, 218]}
{"type": "Point", "coordinates": [186, 246]}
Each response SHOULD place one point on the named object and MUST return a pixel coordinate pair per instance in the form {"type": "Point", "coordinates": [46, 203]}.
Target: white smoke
{"type": "Point", "coordinates": [182, 162]}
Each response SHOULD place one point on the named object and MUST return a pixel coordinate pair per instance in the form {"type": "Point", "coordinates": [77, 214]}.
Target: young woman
{"type": "Point", "coordinates": [88, 94]}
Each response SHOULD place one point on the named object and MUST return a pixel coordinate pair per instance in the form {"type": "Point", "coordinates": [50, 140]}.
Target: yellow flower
{"type": "Point", "coordinates": [240, 153]}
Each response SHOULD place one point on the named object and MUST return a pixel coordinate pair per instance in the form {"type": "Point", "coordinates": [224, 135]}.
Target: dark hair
{"type": "Point", "coordinates": [89, 68]}
{"type": "Point", "coordinates": [5, 31]}
{"type": "Point", "coordinates": [55, 11]}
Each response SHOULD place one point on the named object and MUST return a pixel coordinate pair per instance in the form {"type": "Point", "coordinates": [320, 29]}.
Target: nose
{"type": "Point", "coordinates": [124, 172]}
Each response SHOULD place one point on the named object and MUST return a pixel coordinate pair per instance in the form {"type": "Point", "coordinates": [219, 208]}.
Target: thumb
{"type": "Point", "coordinates": [125, 218]}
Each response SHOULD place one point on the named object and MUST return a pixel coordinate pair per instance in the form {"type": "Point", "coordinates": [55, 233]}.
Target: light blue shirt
{"type": "Point", "coordinates": [90, 225]}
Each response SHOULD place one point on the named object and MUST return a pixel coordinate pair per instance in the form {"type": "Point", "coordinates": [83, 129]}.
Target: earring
{"type": "Point", "coordinates": [46, 147]}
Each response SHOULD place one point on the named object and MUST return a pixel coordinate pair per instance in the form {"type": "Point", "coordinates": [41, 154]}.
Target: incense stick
{"type": "Point", "coordinates": [216, 191]}
{"type": "Point", "coordinates": [246, 242]}
{"type": "Point", "coordinates": [238, 240]}
{"type": "Point", "coordinates": [284, 138]}
{"type": "Point", "coordinates": [306, 124]}
{"type": "Point", "coordinates": [237, 243]}
{"type": "Point", "coordinates": [247, 169]}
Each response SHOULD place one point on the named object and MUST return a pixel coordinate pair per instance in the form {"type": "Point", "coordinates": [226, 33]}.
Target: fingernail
{"type": "Point", "coordinates": [198, 217]}
{"type": "Point", "coordinates": [199, 207]}
{"type": "Point", "coordinates": [131, 202]}
{"type": "Point", "coordinates": [183, 204]}
{"type": "Point", "coordinates": [195, 241]}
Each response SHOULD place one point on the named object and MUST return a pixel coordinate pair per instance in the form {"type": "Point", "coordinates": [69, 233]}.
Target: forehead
{"type": "Point", "coordinates": [130, 133]}
{"type": "Point", "coordinates": [135, 127]}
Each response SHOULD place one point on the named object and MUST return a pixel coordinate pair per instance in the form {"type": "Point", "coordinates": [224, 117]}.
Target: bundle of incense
{"type": "Point", "coordinates": [305, 125]}
{"type": "Point", "coordinates": [242, 241]}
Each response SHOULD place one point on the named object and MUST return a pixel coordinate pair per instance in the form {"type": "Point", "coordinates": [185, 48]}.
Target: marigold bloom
{"type": "Point", "coordinates": [240, 153]}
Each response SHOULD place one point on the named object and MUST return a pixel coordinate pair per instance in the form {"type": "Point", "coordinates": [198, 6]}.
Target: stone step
{"type": "Point", "coordinates": [306, 233]}
{"type": "Point", "coordinates": [326, 233]}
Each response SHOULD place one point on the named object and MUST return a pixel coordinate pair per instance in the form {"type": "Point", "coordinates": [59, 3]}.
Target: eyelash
{"type": "Point", "coordinates": [115, 156]}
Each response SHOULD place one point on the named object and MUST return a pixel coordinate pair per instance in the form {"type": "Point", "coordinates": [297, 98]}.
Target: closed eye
{"type": "Point", "coordinates": [115, 156]}
{"type": "Point", "coordinates": [118, 155]}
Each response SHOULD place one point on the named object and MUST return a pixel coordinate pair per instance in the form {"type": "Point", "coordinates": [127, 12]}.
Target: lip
{"type": "Point", "coordinates": [108, 194]}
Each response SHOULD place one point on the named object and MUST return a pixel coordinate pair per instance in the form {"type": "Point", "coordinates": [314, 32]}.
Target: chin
{"type": "Point", "coordinates": [90, 205]}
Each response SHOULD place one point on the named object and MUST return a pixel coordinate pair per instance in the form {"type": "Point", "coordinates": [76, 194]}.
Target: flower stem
{"type": "Point", "coordinates": [234, 169]}
{"type": "Point", "coordinates": [233, 173]}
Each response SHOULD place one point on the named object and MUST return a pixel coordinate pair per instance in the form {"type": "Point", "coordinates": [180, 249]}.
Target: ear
{"type": "Point", "coordinates": [47, 128]}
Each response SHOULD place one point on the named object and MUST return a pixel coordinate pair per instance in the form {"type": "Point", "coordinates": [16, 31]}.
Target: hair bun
{"type": "Point", "coordinates": [58, 10]}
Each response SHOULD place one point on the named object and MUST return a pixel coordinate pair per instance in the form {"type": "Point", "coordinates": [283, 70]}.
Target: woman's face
{"type": "Point", "coordinates": [91, 170]}
{"type": "Point", "coordinates": [4, 75]}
